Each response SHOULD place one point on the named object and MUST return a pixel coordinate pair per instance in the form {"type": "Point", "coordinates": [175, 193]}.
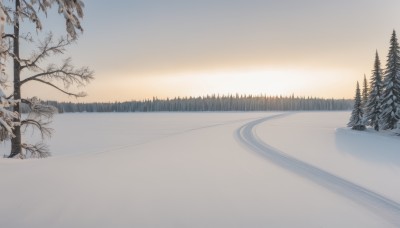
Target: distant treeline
{"type": "Point", "coordinates": [210, 103]}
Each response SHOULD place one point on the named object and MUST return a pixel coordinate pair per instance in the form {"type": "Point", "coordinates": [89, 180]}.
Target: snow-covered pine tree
{"type": "Point", "coordinates": [397, 130]}
{"type": "Point", "coordinates": [356, 120]}
{"type": "Point", "coordinates": [16, 14]}
{"type": "Point", "coordinates": [364, 93]}
{"type": "Point", "coordinates": [373, 106]}
{"type": "Point", "coordinates": [8, 119]}
{"type": "Point", "coordinates": [391, 87]}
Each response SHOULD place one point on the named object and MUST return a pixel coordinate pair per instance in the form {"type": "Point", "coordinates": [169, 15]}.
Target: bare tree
{"type": "Point", "coordinates": [59, 77]}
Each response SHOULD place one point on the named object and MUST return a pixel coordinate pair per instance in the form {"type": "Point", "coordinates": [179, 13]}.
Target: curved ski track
{"type": "Point", "coordinates": [379, 204]}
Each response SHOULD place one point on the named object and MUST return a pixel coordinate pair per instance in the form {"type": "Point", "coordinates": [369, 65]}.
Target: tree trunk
{"type": "Point", "coordinates": [16, 141]}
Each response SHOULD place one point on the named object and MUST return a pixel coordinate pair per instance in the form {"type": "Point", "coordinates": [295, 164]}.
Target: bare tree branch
{"type": "Point", "coordinates": [44, 131]}
{"type": "Point", "coordinates": [81, 94]}
{"type": "Point", "coordinates": [66, 74]}
{"type": "Point", "coordinates": [80, 77]}
{"type": "Point", "coordinates": [38, 109]}
{"type": "Point", "coordinates": [46, 48]}
{"type": "Point", "coordinates": [12, 36]}
{"type": "Point", "coordinates": [39, 150]}
{"type": "Point", "coordinates": [44, 74]}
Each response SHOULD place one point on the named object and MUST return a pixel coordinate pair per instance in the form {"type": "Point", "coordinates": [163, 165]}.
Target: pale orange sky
{"type": "Point", "coordinates": [156, 48]}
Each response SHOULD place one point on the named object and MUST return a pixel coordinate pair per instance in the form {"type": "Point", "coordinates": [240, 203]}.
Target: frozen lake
{"type": "Point", "coordinates": [255, 169]}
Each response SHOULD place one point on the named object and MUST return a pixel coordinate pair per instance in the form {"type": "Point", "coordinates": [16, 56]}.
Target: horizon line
{"type": "Point", "coordinates": [203, 96]}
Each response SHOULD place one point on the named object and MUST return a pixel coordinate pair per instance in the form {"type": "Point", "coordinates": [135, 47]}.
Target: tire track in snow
{"type": "Point", "coordinates": [375, 202]}
{"type": "Point", "coordinates": [131, 145]}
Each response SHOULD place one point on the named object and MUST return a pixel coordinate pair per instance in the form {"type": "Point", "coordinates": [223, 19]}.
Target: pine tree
{"type": "Point", "coordinates": [356, 120]}
{"type": "Point", "coordinates": [365, 92]}
{"type": "Point", "coordinates": [373, 106]}
{"type": "Point", "coordinates": [391, 85]}
{"type": "Point", "coordinates": [7, 117]}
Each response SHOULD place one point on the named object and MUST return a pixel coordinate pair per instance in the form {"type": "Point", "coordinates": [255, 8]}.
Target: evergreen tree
{"type": "Point", "coordinates": [356, 120]}
{"type": "Point", "coordinates": [365, 92]}
{"type": "Point", "coordinates": [391, 84]}
{"type": "Point", "coordinates": [373, 106]}
{"type": "Point", "coordinates": [7, 117]}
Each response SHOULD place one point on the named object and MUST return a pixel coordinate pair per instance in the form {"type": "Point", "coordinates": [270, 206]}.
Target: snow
{"type": "Point", "coordinates": [193, 170]}
{"type": "Point", "coordinates": [370, 159]}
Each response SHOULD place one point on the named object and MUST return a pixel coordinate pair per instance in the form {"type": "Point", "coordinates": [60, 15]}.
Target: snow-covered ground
{"type": "Point", "coordinates": [205, 170]}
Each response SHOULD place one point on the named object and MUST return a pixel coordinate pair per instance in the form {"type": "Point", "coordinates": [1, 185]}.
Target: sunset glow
{"type": "Point", "coordinates": [254, 82]}
{"type": "Point", "coordinates": [227, 47]}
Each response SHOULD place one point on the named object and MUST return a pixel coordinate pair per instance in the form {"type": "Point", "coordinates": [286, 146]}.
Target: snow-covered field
{"type": "Point", "coordinates": [205, 170]}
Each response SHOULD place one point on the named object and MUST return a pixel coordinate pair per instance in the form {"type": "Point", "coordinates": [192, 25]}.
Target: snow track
{"type": "Point", "coordinates": [377, 203]}
{"type": "Point", "coordinates": [119, 148]}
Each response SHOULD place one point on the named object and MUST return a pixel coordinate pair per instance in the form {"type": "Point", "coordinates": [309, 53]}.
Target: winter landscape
{"type": "Point", "coordinates": [199, 113]}
{"type": "Point", "coordinates": [206, 170]}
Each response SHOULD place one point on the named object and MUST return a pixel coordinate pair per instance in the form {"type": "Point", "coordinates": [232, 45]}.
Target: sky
{"type": "Point", "coordinates": [141, 49]}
